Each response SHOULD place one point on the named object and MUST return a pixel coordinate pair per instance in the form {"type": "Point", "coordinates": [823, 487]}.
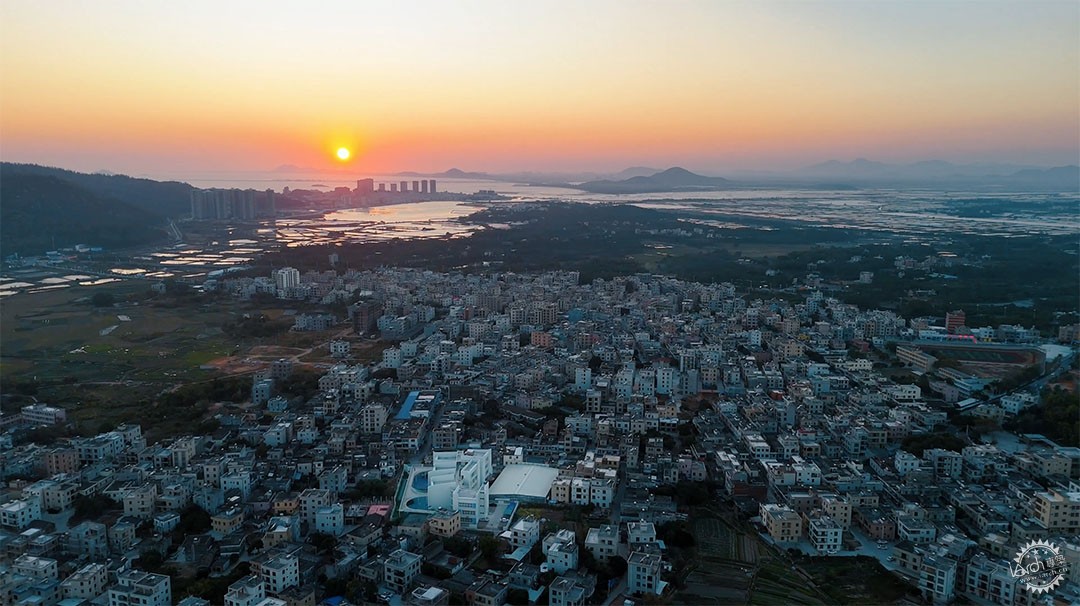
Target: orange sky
{"type": "Point", "coordinates": [151, 87]}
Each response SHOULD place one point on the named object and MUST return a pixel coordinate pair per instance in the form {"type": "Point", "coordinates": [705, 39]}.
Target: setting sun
{"type": "Point", "coordinates": [343, 153]}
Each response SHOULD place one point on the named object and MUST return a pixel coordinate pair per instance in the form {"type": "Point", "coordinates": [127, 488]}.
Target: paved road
{"type": "Point", "coordinates": [620, 492]}
{"type": "Point", "coordinates": [616, 592]}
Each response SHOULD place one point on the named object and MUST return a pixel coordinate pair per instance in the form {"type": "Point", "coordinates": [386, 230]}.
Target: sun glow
{"type": "Point", "coordinates": [343, 153]}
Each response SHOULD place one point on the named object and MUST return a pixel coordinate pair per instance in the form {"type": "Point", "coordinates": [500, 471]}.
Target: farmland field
{"type": "Point", "coordinates": [109, 364]}
{"type": "Point", "coordinates": [733, 566]}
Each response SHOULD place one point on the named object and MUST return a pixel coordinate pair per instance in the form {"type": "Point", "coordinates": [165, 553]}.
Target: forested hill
{"type": "Point", "coordinates": [40, 212]}
{"type": "Point", "coordinates": [160, 198]}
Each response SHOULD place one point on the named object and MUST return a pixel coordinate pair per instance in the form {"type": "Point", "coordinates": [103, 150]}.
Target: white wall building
{"type": "Point", "coordinates": [330, 520]}
{"type": "Point", "coordinates": [138, 588]}
{"type": "Point", "coordinates": [525, 533]}
{"type": "Point", "coordinates": [826, 535]}
{"type": "Point", "coordinates": [603, 542]}
{"type": "Point", "coordinates": [561, 550]}
{"type": "Point", "coordinates": [458, 481]}
{"type": "Point", "coordinates": [400, 570]}
{"type": "Point", "coordinates": [643, 573]}
{"type": "Point", "coordinates": [280, 573]}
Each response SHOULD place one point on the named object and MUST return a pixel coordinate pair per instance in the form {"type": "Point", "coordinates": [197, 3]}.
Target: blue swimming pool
{"type": "Point", "coordinates": [420, 481]}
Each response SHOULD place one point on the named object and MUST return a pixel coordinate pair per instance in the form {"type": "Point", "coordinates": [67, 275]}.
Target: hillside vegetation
{"type": "Point", "coordinates": [160, 198]}
{"type": "Point", "coordinates": [41, 212]}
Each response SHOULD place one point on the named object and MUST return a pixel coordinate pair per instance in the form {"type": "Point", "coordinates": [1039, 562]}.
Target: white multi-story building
{"type": "Point", "coordinates": [392, 357]}
{"type": "Point", "coordinates": [583, 379]}
{"type": "Point", "coordinates": [1016, 402]}
{"type": "Point", "coordinates": [43, 414]}
{"type": "Point", "coordinates": [279, 434]}
{"type": "Point", "coordinates": [603, 542]}
{"type": "Point", "coordinates": [561, 550]}
{"type": "Point", "coordinates": [905, 462]}
{"type": "Point", "coordinates": [55, 494]}
{"type": "Point", "coordinates": [915, 529]}
{"type": "Point", "coordinates": [580, 491]}
{"type": "Point", "coordinates": [904, 393]}
{"type": "Point", "coordinates": [261, 391]}
{"type": "Point", "coordinates": [458, 481]}
{"type": "Point", "coordinates": [247, 591]}
{"type": "Point", "coordinates": [640, 534]}
{"type": "Point", "coordinates": [565, 591]}
{"type": "Point", "coordinates": [525, 533]}
{"type": "Point", "coordinates": [400, 570]}
{"type": "Point", "coordinates": [990, 581]}
{"type": "Point", "coordinates": [602, 492]}
{"type": "Point", "coordinates": [43, 569]}
{"type": "Point", "coordinates": [340, 348]}
{"type": "Point", "coordinates": [311, 501]}
{"type": "Point", "coordinates": [643, 573]}
{"type": "Point", "coordinates": [86, 583]}
{"type": "Point", "coordinates": [514, 456]}
{"type": "Point", "coordinates": [285, 279]}
{"type": "Point", "coordinates": [138, 588]}
{"type": "Point", "coordinates": [239, 481]}
{"type": "Point", "coordinates": [330, 520]}
{"type": "Point", "coordinates": [826, 535]}
{"type": "Point", "coordinates": [753, 339]}
{"type": "Point", "coordinates": [139, 502]}
{"type": "Point", "coordinates": [373, 418]}
{"type": "Point", "coordinates": [336, 480]}
{"type": "Point", "coordinates": [806, 473]}
{"type": "Point", "coordinates": [667, 380]}
{"type": "Point", "coordinates": [937, 578]}
{"type": "Point", "coordinates": [103, 447]}
{"type": "Point", "coordinates": [280, 573]}
{"type": "Point", "coordinates": [946, 463]}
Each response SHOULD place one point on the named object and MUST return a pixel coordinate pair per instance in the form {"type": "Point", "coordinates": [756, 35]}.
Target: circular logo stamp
{"type": "Point", "coordinates": [1040, 566]}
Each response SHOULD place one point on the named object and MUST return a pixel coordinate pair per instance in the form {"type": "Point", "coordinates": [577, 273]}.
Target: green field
{"type": "Point", "coordinates": [104, 369]}
{"type": "Point", "coordinates": [58, 335]}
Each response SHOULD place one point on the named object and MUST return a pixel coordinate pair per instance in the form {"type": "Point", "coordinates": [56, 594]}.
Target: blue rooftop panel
{"type": "Point", "coordinates": [406, 406]}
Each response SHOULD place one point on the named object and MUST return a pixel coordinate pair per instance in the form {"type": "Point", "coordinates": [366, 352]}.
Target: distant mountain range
{"type": "Point", "coordinates": [633, 180]}
{"type": "Point", "coordinates": [833, 174]}
{"type": "Point", "coordinates": [1061, 174]}
{"type": "Point", "coordinates": [938, 171]}
{"type": "Point", "coordinates": [44, 207]}
{"type": "Point", "coordinates": [453, 173]}
{"type": "Point", "coordinates": [670, 180]}
{"type": "Point", "coordinates": [534, 177]}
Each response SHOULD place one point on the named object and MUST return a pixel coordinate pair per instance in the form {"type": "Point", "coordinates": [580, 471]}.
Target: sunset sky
{"type": "Point", "coordinates": [167, 87]}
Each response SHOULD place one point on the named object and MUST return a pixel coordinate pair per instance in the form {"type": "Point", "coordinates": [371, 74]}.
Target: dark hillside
{"type": "Point", "coordinates": [163, 198]}
{"type": "Point", "coordinates": [40, 213]}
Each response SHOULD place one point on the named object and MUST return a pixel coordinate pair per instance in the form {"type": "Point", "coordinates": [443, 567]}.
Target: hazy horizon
{"type": "Point", "coordinates": [286, 172]}
{"type": "Point", "coordinates": [139, 88]}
